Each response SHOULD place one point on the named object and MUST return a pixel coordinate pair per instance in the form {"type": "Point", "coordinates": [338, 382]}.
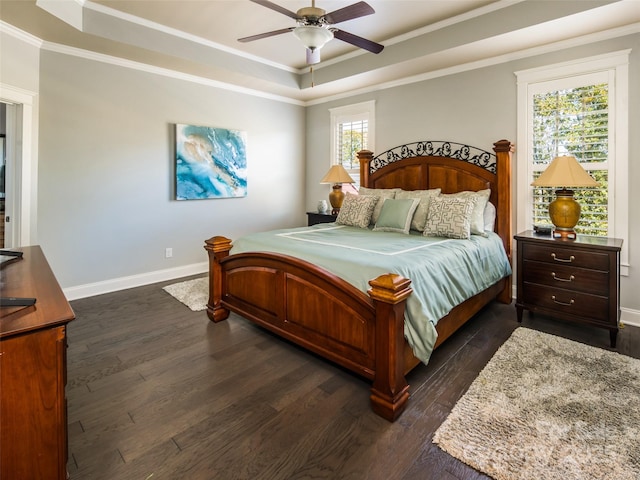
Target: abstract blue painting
{"type": "Point", "coordinates": [210, 162]}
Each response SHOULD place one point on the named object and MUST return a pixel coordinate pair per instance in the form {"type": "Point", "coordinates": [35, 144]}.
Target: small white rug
{"type": "Point", "coordinates": [193, 293]}
{"type": "Point", "coordinates": [548, 408]}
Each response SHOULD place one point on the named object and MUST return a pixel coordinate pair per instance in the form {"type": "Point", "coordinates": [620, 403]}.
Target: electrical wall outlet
{"type": "Point", "coordinates": [168, 252]}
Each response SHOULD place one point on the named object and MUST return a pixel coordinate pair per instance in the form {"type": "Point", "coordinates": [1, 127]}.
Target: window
{"type": "Point", "coordinates": [352, 137]}
{"type": "Point", "coordinates": [352, 130]}
{"type": "Point", "coordinates": [578, 109]}
{"type": "Point", "coordinates": [574, 121]}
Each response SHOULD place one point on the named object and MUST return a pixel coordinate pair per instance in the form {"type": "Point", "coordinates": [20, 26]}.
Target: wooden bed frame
{"type": "Point", "coordinates": [323, 313]}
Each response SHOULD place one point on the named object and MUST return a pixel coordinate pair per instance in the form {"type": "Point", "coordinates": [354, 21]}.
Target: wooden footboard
{"type": "Point", "coordinates": [319, 311]}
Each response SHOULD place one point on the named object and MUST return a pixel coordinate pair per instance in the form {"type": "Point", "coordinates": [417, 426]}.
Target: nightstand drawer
{"type": "Point", "coordinates": [559, 255]}
{"type": "Point", "coordinates": [562, 301]}
{"type": "Point", "coordinates": [567, 277]}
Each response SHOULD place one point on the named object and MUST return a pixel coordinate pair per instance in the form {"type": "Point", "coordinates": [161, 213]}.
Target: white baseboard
{"type": "Point", "coordinates": [113, 285]}
{"type": "Point", "coordinates": [630, 317]}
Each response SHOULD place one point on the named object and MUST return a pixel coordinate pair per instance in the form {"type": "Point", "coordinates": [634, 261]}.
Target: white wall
{"type": "Point", "coordinates": [106, 171]}
{"type": "Point", "coordinates": [19, 84]}
{"type": "Point", "coordinates": [19, 62]}
{"type": "Point", "coordinates": [478, 107]}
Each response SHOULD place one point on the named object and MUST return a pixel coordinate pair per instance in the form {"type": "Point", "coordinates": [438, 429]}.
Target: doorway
{"type": "Point", "coordinates": [3, 169]}
{"type": "Point", "coordinates": [8, 141]}
{"type": "Point", "coordinates": [19, 108]}
{"type": "Point", "coordinates": [2, 189]}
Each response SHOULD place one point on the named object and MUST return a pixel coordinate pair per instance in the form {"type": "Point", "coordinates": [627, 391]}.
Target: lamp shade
{"type": "Point", "coordinates": [565, 171]}
{"type": "Point", "coordinates": [337, 174]}
{"type": "Point", "coordinates": [313, 37]}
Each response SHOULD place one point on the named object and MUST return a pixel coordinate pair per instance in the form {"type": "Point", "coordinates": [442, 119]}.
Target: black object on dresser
{"type": "Point", "coordinates": [314, 218]}
{"type": "Point", "coordinates": [575, 280]}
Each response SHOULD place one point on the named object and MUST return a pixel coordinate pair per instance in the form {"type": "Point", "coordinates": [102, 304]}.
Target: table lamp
{"type": "Point", "coordinates": [564, 211]}
{"type": "Point", "coordinates": [336, 175]}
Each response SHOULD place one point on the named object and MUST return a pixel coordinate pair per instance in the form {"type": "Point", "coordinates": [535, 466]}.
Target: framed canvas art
{"type": "Point", "coordinates": [210, 162]}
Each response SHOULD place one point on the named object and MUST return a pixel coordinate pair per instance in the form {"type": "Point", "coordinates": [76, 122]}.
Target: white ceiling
{"type": "Point", "coordinates": [199, 37]}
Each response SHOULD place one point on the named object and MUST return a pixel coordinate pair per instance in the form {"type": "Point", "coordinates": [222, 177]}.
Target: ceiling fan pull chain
{"type": "Point", "coordinates": [311, 72]}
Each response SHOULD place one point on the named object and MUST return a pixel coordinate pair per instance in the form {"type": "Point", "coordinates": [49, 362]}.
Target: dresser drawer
{"type": "Point", "coordinates": [559, 255]}
{"type": "Point", "coordinates": [560, 301]}
{"type": "Point", "coordinates": [567, 277]}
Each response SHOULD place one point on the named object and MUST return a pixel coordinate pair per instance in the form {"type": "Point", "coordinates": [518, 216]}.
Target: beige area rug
{"type": "Point", "coordinates": [549, 408]}
{"type": "Point", "coordinates": [193, 293]}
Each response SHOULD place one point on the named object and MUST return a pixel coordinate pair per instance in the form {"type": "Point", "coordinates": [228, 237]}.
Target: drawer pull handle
{"type": "Point", "coordinates": [570, 279]}
{"type": "Point", "coordinates": [571, 258]}
{"type": "Point", "coordinates": [553, 297]}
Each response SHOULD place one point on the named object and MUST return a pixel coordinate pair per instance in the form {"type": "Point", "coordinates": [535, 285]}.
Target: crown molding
{"type": "Point", "coordinates": [349, 92]}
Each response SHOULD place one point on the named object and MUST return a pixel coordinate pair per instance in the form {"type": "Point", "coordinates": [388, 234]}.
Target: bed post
{"type": "Point", "coordinates": [390, 391]}
{"type": "Point", "coordinates": [218, 248]}
{"type": "Point", "coordinates": [504, 149]}
{"type": "Point", "coordinates": [365, 157]}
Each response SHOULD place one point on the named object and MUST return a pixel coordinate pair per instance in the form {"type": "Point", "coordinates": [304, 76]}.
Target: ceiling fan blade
{"type": "Point", "coordinates": [265, 35]}
{"type": "Point", "coordinates": [356, 10]}
{"type": "Point", "coordinates": [373, 47]}
{"type": "Point", "coordinates": [277, 8]}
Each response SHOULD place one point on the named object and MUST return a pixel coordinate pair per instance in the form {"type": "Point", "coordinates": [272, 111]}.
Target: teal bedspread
{"type": "Point", "coordinates": [443, 272]}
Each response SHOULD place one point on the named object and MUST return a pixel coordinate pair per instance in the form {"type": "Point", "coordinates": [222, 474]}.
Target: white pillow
{"type": "Point", "coordinates": [420, 215]}
{"type": "Point", "coordinates": [356, 210]}
{"type": "Point", "coordinates": [489, 217]}
{"type": "Point", "coordinates": [481, 198]}
{"type": "Point", "coordinates": [396, 215]}
{"type": "Point", "coordinates": [382, 194]}
{"type": "Point", "coordinates": [450, 216]}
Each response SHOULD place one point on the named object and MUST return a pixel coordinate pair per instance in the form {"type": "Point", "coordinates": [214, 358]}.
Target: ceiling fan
{"type": "Point", "coordinates": [316, 27]}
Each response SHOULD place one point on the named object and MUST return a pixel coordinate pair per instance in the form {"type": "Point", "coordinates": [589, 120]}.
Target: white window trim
{"type": "Point", "coordinates": [618, 65]}
{"type": "Point", "coordinates": [342, 114]}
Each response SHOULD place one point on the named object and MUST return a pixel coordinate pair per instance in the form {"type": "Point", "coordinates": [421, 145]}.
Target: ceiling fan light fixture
{"type": "Point", "coordinates": [313, 56]}
{"type": "Point", "coordinates": [313, 37]}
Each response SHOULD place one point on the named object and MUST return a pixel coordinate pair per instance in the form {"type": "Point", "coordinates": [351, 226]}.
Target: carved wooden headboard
{"type": "Point", "coordinates": [451, 166]}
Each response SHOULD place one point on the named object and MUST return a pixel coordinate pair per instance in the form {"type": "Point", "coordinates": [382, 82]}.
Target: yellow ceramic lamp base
{"type": "Point", "coordinates": [564, 213]}
{"type": "Point", "coordinates": [336, 198]}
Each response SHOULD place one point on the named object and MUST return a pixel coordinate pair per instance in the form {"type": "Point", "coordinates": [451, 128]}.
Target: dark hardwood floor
{"type": "Point", "coordinates": [156, 391]}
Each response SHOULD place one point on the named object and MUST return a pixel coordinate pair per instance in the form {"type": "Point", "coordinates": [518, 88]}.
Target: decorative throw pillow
{"type": "Point", "coordinates": [477, 220]}
{"type": "Point", "coordinates": [420, 215]}
{"type": "Point", "coordinates": [382, 194]}
{"type": "Point", "coordinates": [450, 216]}
{"type": "Point", "coordinates": [356, 210]}
{"type": "Point", "coordinates": [396, 215]}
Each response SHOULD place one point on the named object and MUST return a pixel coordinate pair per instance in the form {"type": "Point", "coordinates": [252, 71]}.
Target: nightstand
{"type": "Point", "coordinates": [573, 280]}
{"type": "Point", "coordinates": [314, 218]}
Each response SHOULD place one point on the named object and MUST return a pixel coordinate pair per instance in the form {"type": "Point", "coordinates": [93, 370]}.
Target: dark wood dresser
{"type": "Point", "coordinates": [33, 411]}
{"type": "Point", "coordinates": [574, 280]}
